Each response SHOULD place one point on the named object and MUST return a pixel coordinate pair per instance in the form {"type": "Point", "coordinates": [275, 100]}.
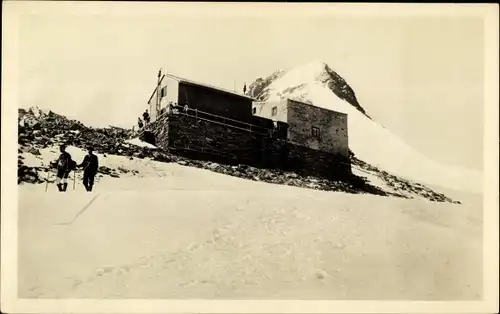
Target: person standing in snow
{"type": "Point", "coordinates": [64, 165]}
{"type": "Point", "coordinates": [245, 89]}
{"type": "Point", "coordinates": [90, 165]}
{"type": "Point", "coordinates": [139, 123]}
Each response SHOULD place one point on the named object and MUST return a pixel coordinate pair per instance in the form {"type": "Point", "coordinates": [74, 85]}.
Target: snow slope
{"type": "Point", "coordinates": [153, 175]}
{"type": "Point", "coordinates": [202, 235]}
{"type": "Point", "coordinates": [113, 167]}
{"type": "Point", "coordinates": [368, 140]}
{"type": "Point", "coordinates": [164, 230]}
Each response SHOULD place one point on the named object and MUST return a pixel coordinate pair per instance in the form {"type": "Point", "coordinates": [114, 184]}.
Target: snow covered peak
{"type": "Point", "coordinates": [297, 83]}
{"type": "Point", "coordinates": [316, 83]}
{"type": "Point", "coordinates": [311, 73]}
{"type": "Point", "coordinates": [312, 70]}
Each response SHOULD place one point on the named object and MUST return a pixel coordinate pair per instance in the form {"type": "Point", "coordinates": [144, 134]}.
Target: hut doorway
{"type": "Point", "coordinates": [149, 137]}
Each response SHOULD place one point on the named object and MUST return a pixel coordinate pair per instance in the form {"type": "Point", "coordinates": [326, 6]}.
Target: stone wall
{"type": "Point", "coordinates": [300, 119]}
{"type": "Point", "coordinates": [200, 138]}
{"type": "Point", "coordinates": [160, 130]}
{"type": "Point", "coordinates": [229, 143]}
{"type": "Point", "coordinates": [332, 125]}
{"type": "Point", "coordinates": [309, 161]}
{"type": "Point", "coordinates": [265, 109]}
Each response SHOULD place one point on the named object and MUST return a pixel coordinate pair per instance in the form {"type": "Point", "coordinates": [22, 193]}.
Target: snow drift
{"type": "Point", "coordinates": [200, 235]}
{"type": "Point", "coordinates": [317, 84]}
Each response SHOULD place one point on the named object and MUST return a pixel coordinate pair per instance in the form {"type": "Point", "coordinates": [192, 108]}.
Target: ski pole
{"type": "Point", "coordinates": [47, 180]}
{"type": "Point", "coordinates": [74, 179]}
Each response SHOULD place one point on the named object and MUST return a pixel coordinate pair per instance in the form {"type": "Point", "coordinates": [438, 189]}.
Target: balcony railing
{"type": "Point", "coordinates": [214, 118]}
{"type": "Point", "coordinates": [209, 117]}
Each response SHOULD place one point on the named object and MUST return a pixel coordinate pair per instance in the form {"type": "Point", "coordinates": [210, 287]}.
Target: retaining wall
{"type": "Point", "coordinates": [204, 139]}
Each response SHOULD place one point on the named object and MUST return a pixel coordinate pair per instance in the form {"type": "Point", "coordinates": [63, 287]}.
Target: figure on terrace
{"type": "Point", "coordinates": [145, 115]}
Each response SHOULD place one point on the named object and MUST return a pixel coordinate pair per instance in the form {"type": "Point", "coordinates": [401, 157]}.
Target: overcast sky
{"type": "Point", "coordinates": [422, 78]}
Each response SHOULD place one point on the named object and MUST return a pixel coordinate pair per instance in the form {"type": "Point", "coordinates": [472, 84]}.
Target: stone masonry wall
{"type": "Point", "coordinates": [160, 130]}
{"type": "Point", "coordinates": [333, 137]}
{"type": "Point", "coordinates": [265, 109]}
{"type": "Point", "coordinates": [204, 138]}
{"type": "Point", "coordinates": [309, 161]}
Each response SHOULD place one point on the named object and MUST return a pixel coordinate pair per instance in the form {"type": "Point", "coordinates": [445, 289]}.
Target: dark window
{"type": "Point", "coordinates": [254, 110]}
{"type": "Point", "coordinates": [163, 91]}
{"type": "Point", "coordinates": [315, 132]}
{"type": "Point", "coordinates": [274, 111]}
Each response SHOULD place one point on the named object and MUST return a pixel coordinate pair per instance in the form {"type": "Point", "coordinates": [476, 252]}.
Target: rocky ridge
{"type": "Point", "coordinates": [259, 89]}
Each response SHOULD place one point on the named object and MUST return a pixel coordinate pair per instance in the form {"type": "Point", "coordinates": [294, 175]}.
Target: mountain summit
{"type": "Point", "coordinates": [316, 83]}
{"type": "Point", "coordinates": [294, 83]}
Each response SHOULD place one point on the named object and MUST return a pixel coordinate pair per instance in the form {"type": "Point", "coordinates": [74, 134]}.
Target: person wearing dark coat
{"type": "Point", "coordinates": [145, 115]}
{"type": "Point", "coordinates": [90, 165]}
{"type": "Point", "coordinates": [63, 165]}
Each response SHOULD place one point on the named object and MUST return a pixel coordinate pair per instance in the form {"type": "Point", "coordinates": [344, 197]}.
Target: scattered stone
{"type": "Point", "coordinates": [123, 170]}
{"type": "Point", "coordinates": [34, 151]}
{"type": "Point", "coordinates": [37, 129]}
{"type": "Point", "coordinates": [105, 170]}
{"type": "Point", "coordinates": [28, 175]}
